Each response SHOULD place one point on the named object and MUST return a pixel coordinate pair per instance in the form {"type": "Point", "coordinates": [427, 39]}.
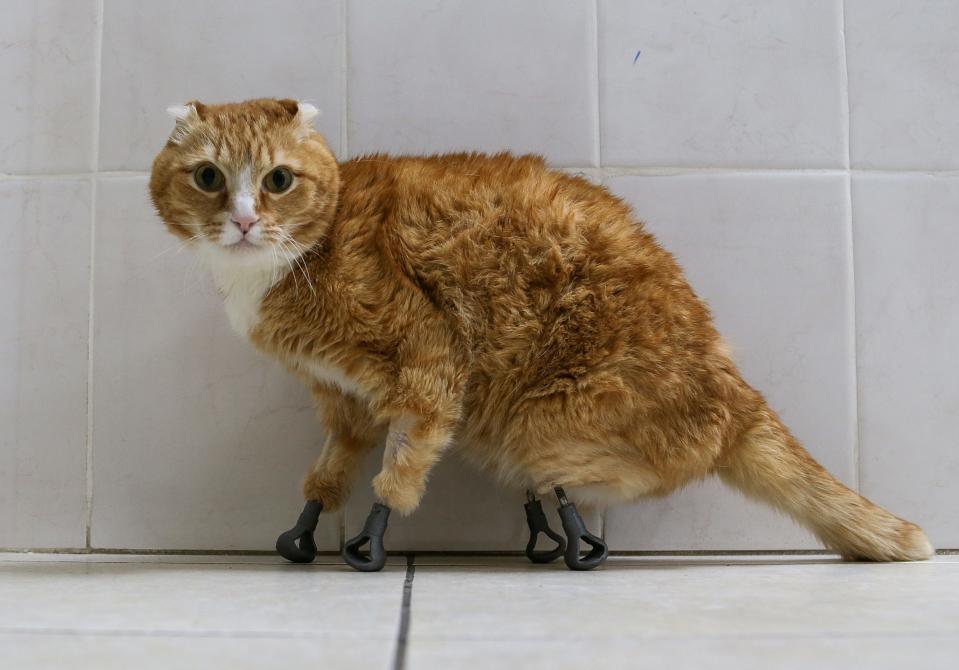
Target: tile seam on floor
{"type": "Point", "coordinates": [812, 635]}
{"type": "Point", "coordinates": [402, 635]}
{"type": "Point", "coordinates": [190, 633]}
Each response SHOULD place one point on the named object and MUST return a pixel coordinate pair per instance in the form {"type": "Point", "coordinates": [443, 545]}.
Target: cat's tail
{"type": "Point", "coordinates": [770, 465]}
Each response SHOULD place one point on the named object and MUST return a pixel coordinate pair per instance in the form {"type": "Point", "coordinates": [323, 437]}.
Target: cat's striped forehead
{"type": "Point", "coordinates": [237, 135]}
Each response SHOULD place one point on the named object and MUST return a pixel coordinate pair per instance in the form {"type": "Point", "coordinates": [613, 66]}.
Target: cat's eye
{"type": "Point", "coordinates": [278, 180]}
{"type": "Point", "coordinates": [208, 177]}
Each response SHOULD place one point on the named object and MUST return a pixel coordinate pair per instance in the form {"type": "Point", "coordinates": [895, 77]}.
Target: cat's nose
{"type": "Point", "coordinates": [244, 221]}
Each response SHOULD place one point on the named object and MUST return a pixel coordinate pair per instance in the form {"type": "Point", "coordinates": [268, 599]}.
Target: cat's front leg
{"type": "Point", "coordinates": [422, 405]}
{"type": "Point", "coordinates": [413, 446]}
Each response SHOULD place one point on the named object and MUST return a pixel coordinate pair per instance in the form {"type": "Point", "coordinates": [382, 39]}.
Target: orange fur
{"type": "Point", "coordinates": [520, 313]}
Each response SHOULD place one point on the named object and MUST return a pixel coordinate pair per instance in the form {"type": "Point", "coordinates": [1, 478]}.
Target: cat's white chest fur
{"type": "Point", "coordinates": [331, 374]}
{"type": "Point", "coordinates": [243, 289]}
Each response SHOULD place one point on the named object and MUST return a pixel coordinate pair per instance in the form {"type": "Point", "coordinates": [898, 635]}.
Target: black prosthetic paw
{"type": "Point", "coordinates": [536, 520]}
{"type": "Point", "coordinates": [374, 528]}
{"type": "Point", "coordinates": [576, 531]}
{"type": "Point", "coordinates": [297, 544]}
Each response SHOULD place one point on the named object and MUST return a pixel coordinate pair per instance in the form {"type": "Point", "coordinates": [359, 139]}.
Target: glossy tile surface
{"type": "Point", "coordinates": [467, 76]}
{"type": "Point", "coordinates": [731, 83]}
{"type": "Point", "coordinates": [903, 90]}
{"type": "Point", "coordinates": [199, 441]}
{"type": "Point", "coordinates": [907, 291]}
{"type": "Point", "coordinates": [100, 613]}
{"type": "Point", "coordinates": [161, 52]}
{"type": "Point", "coordinates": [649, 598]}
{"type": "Point", "coordinates": [54, 651]}
{"type": "Point", "coordinates": [784, 653]}
{"type": "Point", "coordinates": [770, 255]}
{"type": "Point", "coordinates": [47, 76]}
{"type": "Point", "coordinates": [44, 295]}
{"type": "Point", "coordinates": [743, 612]}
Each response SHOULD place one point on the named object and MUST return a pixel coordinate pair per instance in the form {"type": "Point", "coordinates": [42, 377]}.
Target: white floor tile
{"type": "Point", "coordinates": [711, 597]}
{"type": "Point", "coordinates": [162, 598]}
{"type": "Point", "coordinates": [186, 652]}
{"type": "Point", "coordinates": [779, 653]}
{"type": "Point", "coordinates": [118, 611]}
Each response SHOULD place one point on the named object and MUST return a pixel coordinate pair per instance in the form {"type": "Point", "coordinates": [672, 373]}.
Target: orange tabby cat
{"type": "Point", "coordinates": [523, 314]}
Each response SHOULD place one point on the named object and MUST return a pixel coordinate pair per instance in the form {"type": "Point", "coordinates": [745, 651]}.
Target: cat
{"type": "Point", "coordinates": [522, 313]}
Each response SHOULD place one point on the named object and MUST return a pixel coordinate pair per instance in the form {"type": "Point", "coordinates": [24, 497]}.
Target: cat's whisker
{"type": "Point", "coordinates": [301, 262]}
{"type": "Point", "coordinates": [273, 265]}
{"type": "Point", "coordinates": [285, 239]}
{"type": "Point", "coordinates": [296, 283]}
{"type": "Point", "coordinates": [178, 247]}
{"type": "Point", "coordinates": [188, 273]}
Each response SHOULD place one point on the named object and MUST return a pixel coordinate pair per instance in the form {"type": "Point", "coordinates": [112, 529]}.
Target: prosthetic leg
{"type": "Point", "coordinates": [297, 544]}
{"type": "Point", "coordinates": [575, 531]}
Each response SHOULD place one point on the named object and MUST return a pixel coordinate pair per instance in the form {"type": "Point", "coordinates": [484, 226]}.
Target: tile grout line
{"type": "Point", "coordinates": [345, 84]}
{"type": "Point", "coordinates": [345, 151]}
{"type": "Point", "coordinates": [402, 637]}
{"type": "Point", "coordinates": [226, 553]}
{"type": "Point", "coordinates": [597, 121]}
{"type": "Point", "coordinates": [598, 159]}
{"type": "Point", "coordinates": [608, 171]}
{"type": "Point", "coordinates": [7, 176]}
{"type": "Point", "coordinates": [97, 80]}
{"type": "Point", "coordinates": [851, 257]}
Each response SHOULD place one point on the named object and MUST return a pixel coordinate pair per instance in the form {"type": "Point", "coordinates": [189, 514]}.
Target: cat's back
{"type": "Point", "coordinates": [501, 198]}
{"type": "Point", "coordinates": [529, 257]}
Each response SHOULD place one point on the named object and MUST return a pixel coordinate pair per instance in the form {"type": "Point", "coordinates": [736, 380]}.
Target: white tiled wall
{"type": "Point", "coordinates": [794, 154]}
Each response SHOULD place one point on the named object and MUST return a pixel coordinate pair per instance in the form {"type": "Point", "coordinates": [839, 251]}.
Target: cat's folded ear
{"type": "Point", "coordinates": [303, 114]}
{"type": "Point", "coordinates": [185, 116]}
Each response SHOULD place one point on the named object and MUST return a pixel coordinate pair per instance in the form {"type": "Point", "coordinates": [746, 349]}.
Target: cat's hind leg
{"type": "Point", "coordinates": [576, 532]}
{"type": "Point", "coordinates": [538, 525]}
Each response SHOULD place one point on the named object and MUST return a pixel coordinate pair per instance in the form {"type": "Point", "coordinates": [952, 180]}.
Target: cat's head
{"type": "Point", "coordinates": [249, 182]}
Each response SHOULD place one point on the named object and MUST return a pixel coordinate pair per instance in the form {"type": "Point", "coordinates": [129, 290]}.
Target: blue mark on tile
{"type": "Point", "coordinates": [637, 57]}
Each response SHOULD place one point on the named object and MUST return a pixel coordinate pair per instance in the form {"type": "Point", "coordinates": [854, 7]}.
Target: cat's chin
{"type": "Point", "coordinates": [242, 254]}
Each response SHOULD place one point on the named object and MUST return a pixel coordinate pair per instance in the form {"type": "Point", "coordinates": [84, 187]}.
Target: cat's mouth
{"type": "Point", "coordinates": [242, 246]}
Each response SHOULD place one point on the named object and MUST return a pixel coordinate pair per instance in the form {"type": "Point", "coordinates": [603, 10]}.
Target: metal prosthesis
{"type": "Point", "coordinates": [575, 531]}
{"type": "Point", "coordinates": [297, 544]}
{"type": "Point", "coordinates": [536, 520]}
{"type": "Point", "coordinates": [373, 530]}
